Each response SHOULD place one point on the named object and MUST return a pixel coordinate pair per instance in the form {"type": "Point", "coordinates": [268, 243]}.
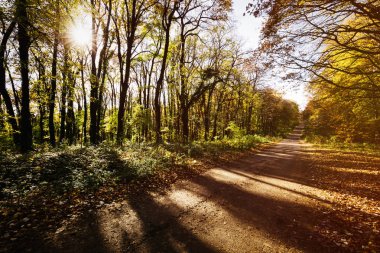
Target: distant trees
{"type": "Point", "coordinates": [334, 45]}
{"type": "Point", "coordinates": [150, 71]}
{"type": "Point", "coordinates": [277, 116]}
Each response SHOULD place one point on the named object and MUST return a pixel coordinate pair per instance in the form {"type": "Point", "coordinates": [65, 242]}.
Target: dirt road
{"type": "Point", "coordinates": [264, 202]}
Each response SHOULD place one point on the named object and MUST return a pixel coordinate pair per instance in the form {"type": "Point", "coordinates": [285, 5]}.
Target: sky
{"type": "Point", "coordinates": [248, 30]}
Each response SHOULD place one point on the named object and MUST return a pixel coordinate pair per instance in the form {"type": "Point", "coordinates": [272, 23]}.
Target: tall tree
{"type": "Point", "coordinates": [135, 9]}
{"type": "Point", "coordinates": [53, 81]}
{"type": "Point", "coordinates": [191, 16]}
{"type": "Point", "coordinates": [23, 24]}
{"type": "Point", "coordinates": [94, 81]}
{"type": "Point", "coordinates": [3, 91]}
{"type": "Point", "coordinates": [64, 89]}
{"type": "Point", "coordinates": [167, 9]}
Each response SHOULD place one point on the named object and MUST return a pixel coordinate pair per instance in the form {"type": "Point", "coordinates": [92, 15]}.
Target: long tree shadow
{"type": "Point", "coordinates": [341, 173]}
{"type": "Point", "coordinates": [162, 230]}
{"type": "Point", "coordinates": [292, 223]}
{"type": "Point", "coordinates": [83, 236]}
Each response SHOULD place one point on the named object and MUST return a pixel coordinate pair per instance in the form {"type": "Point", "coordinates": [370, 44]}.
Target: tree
{"type": "Point", "coordinates": [342, 26]}
{"type": "Point", "coordinates": [167, 10]}
{"type": "Point", "coordinates": [3, 91]}
{"type": "Point", "coordinates": [26, 136]}
{"type": "Point", "coordinates": [135, 11]}
{"type": "Point", "coordinates": [53, 81]}
{"type": "Point", "coordinates": [192, 14]}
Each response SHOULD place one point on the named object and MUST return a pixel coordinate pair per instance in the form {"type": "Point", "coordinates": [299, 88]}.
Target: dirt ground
{"type": "Point", "coordinates": [290, 197]}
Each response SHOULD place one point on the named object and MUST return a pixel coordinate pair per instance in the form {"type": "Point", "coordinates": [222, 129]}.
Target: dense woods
{"type": "Point", "coordinates": [334, 45]}
{"type": "Point", "coordinates": [79, 72]}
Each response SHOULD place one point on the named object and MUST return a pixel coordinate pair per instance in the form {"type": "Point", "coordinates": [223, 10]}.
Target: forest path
{"type": "Point", "coordinates": [263, 202]}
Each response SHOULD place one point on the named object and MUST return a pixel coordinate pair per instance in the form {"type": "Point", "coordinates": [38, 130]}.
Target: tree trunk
{"type": "Point", "coordinates": [62, 131]}
{"type": "Point", "coordinates": [41, 99]}
{"type": "Point", "coordinates": [103, 64]}
{"type": "Point", "coordinates": [133, 17]}
{"type": "Point", "coordinates": [84, 133]}
{"type": "Point", "coordinates": [94, 96]}
{"type": "Point", "coordinates": [185, 124]}
{"type": "Point", "coordinates": [183, 89]}
{"type": "Point", "coordinates": [15, 93]}
{"type": "Point", "coordinates": [41, 123]}
{"type": "Point", "coordinates": [249, 118]}
{"type": "Point", "coordinates": [53, 84]}
{"type": "Point", "coordinates": [207, 115]}
{"type": "Point", "coordinates": [70, 120]}
{"type": "Point", "coordinates": [157, 105]}
{"type": "Point", "coordinates": [24, 43]}
{"type": "Point", "coordinates": [124, 89]}
{"type": "Point", "coordinates": [3, 91]}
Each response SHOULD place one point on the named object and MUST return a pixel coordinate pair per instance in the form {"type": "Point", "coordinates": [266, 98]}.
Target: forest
{"type": "Point", "coordinates": [142, 71]}
{"type": "Point", "coordinates": [150, 126]}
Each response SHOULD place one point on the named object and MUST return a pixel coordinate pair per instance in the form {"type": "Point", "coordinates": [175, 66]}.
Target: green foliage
{"type": "Point", "coordinates": [277, 116]}
{"type": "Point", "coordinates": [78, 169]}
{"type": "Point", "coordinates": [336, 117]}
{"type": "Point", "coordinates": [140, 117]}
{"type": "Point", "coordinates": [336, 144]}
{"type": "Point", "coordinates": [110, 122]}
{"type": "Point", "coordinates": [233, 131]}
{"type": "Point", "coordinates": [215, 148]}
{"type": "Point", "coordinates": [83, 169]}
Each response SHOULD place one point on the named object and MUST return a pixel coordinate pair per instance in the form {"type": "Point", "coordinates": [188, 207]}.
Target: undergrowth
{"type": "Point", "coordinates": [85, 169]}
{"type": "Point", "coordinates": [335, 143]}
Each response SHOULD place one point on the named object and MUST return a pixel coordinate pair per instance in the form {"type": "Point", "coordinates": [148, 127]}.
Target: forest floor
{"type": "Point", "coordinates": [288, 197]}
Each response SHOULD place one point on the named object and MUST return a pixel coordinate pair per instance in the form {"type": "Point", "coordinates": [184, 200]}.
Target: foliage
{"type": "Point", "coordinates": [118, 88]}
{"type": "Point", "coordinates": [340, 62]}
{"type": "Point", "coordinates": [335, 143]}
{"type": "Point", "coordinates": [86, 169]}
{"type": "Point", "coordinates": [345, 106]}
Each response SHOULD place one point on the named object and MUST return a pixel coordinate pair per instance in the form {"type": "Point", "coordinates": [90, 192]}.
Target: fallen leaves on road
{"type": "Point", "coordinates": [350, 182]}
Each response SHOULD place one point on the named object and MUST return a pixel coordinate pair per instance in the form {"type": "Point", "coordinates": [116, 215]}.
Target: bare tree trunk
{"type": "Point", "coordinates": [24, 44]}
{"type": "Point", "coordinates": [3, 91]}
{"type": "Point", "coordinates": [70, 119]}
{"type": "Point", "coordinates": [123, 95]}
{"type": "Point", "coordinates": [167, 21]}
{"type": "Point", "coordinates": [94, 92]}
{"type": "Point", "coordinates": [103, 64]}
{"type": "Point", "coordinates": [53, 83]}
{"type": "Point", "coordinates": [85, 116]}
{"type": "Point", "coordinates": [207, 114]}
{"type": "Point", "coordinates": [62, 129]}
{"type": "Point", "coordinates": [41, 99]}
{"type": "Point", "coordinates": [15, 93]}
{"type": "Point", "coordinates": [134, 19]}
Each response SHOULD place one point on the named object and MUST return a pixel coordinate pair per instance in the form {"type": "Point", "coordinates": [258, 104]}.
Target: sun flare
{"type": "Point", "coordinates": [80, 31]}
